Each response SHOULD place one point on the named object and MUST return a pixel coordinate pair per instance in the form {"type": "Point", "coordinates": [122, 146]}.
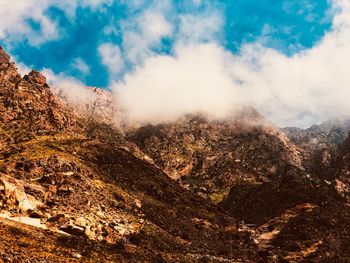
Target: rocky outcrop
{"type": "Point", "coordinates": [95, 194]}
{"type": "Point", "coordinates": [329, 133]}
{"type": "Point", "coordinates": [14, 196]}
{"type": "Point", "coordinates": [210, 157]}
{"type": "Point", "coordinates": [27, 106]}
{"type": "Point", "coordinates": [95, 190]}
{"type": "Point", "coordinates": [4, 57]}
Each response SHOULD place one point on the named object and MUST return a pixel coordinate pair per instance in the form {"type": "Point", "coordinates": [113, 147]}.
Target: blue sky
{"type": "Point", "coordinates": [161, 59]}
{"type": "Point", "coordinates": [69, 39]}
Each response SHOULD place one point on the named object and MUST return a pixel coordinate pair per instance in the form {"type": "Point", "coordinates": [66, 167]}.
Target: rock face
{"type": "Point", "coordinates": [27, 106]}
{"type": "Point", "coordinates": [14, 195]}
{"type": "Point", "coordinates": [331, 132]}
{"type": "Point", "coordinates": [287, 194]}
{"type": "Point", "coordinates": [73, 188]}
{"type": "Point", "coordinates": [4, 58]}
{"type": "Point", "coordinates": [94, 190]}
{"type": "Point", "coordinates": [209, 157]}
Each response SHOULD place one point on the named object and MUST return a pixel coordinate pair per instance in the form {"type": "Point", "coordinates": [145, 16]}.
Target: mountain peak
{"type": "Point", "coordinates": [35, 77]}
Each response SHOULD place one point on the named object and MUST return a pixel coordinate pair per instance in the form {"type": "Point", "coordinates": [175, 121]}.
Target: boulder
{"type": "Point", "coordinates": [14, 194]}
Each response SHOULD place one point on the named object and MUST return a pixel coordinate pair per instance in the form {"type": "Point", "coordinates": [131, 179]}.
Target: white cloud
{"type": "Point", "coordinates": [81, 66]}
{"type": "Point", "coordinates": [194, 80]}
{"type": "Point", "coordinates": [16, 14]}
{"type": "Point", "coordinates": [308, 87]}
{"type": "Point", "coordinates": [144, 32]}
{"type": "Point", "coordinates": [203, 27]}
{"type": "Point", "coordinates": [111, 58]}
{"type": "Point", "coordinates": [74, 91]}
{"type": "Point", "coordinates": [14, 17]}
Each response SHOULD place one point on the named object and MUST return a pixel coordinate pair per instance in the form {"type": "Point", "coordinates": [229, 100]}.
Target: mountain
{"type": "Point", "coordinates": [93, 191]}
{"type": "Point", "coordinates": [280, 191]}
{"type": "Point", "coordinates": [331, 132]}
{"type": "Point", "coordinates": [90, 102]}
{"type": "Point", "coordinates": [79, 185]}
{"type": "Point", "coordinates": [210, 156]}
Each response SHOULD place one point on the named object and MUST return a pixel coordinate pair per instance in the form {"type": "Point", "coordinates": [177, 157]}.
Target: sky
{"type": "Point", "coordinates": [164, 58]}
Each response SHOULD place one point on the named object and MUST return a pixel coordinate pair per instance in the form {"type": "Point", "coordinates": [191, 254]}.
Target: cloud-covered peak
{"type": "Point", "coordinates": [167, 58]}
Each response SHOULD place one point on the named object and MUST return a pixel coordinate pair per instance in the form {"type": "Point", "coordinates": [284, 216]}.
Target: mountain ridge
{"type": "Point", "coordinates": [193, 190]}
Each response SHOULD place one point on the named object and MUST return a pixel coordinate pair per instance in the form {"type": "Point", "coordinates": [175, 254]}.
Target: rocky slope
{"type": "Point", "coordinates": [90, 193]}
{"type": "Point", "coordinates": [302, 218]}
{"type": "Point", "coordinates": [75, 189]}
{"type": "Point", "coordinates": [290, 196]}
{"type": "Point", "coordinates": [331, 132]}
{"type": "Point", "coordinates": [210, 156]}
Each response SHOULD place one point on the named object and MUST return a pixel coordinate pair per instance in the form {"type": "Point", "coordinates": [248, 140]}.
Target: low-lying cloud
{"type": "Point", "coordinates": [200, 76]}
{"type": "Point", "coordinates": [195, 80]}
{"type": "Point", "coordinates": [299, 90]}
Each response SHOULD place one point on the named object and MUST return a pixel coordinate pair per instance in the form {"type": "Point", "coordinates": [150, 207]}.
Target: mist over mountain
{"type": "Point", "coordinates": [163, 60]}
{"type": "Point", "coordinates": [174, 131]}
{"type": "Point", "coordinates": [78, 185]}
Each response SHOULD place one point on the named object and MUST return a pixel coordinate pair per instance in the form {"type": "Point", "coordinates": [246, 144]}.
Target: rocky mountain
{"type": "Point", "coordinates": [91, 103]}
{"type": "Point", "coordinates": [93, 191]}
{"type": "Point", "coordinates": [210, 156]}
{"type": "Point", "coordinates": [287, 195]}
{"type": "Point", "coordinates": [331, 132]}
{"type": "Point", "coordinates": [74, 188]}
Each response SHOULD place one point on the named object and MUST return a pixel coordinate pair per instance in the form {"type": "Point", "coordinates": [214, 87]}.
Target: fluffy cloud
{"type": "Point", "coordinates": [111, 58]}
{"type": "Point", "coordinates": [18, 17]}
{"type": "Point", "coordinates": [144, 32]}
{"type": "Point", "coordinates": [74, 91]}
{"type": "Point", "coordinates": [199, 75]}
{"type": "Point", "coordinates": [20, 13]}
{"type": "Point", "coordinates": [80, 65]}
{"type": "Point", "coordinates": [202, 27]}
{"type": "Point", "coordinates": [308, 87]}
{"type": "Point", "coordinates": [195, 80]}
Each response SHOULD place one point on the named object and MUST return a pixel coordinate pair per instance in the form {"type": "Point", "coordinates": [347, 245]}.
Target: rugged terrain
{"type": "Point", "coordinates": [331, 132]}
{"type": "Point", "coordinates": [291, 196]}
{"type": "Point", "coordinates": [210, 156]}
{"type": "Point", "coordinates": [75, 188]}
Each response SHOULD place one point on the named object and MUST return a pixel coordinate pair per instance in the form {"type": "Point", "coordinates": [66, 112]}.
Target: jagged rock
{"type": "Point", "coordinates": [115, 190]}
{"type": "Point", "coordinates": [76, 255]}
{"type": "Point", "coordinates": [331, 132]}
{"type": "Point", "coordinates": [94, 103]}
{"type": "Point", "coordinates": [341, 187]}
{"type": "Point", "coordinates": [36, 77]}
{"type": "Point", "coordinates": [14, 194]}
{"type": "Point", "coordinates": [138, 203]}
{"type": "Point", "coordinates": [82, 222]}
{"type": "Point", "coordinates": [36, 214]}
{"type": "Point", "coordinates": [209, 156]}
{"type": "Point", "coordinates": [27, 105]}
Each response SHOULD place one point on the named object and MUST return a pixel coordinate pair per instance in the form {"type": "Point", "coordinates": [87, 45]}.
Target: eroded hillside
{"type": "Point", "coordinates": [74, 188]}
{"type": "Point", "coordinates": [83, 180]}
